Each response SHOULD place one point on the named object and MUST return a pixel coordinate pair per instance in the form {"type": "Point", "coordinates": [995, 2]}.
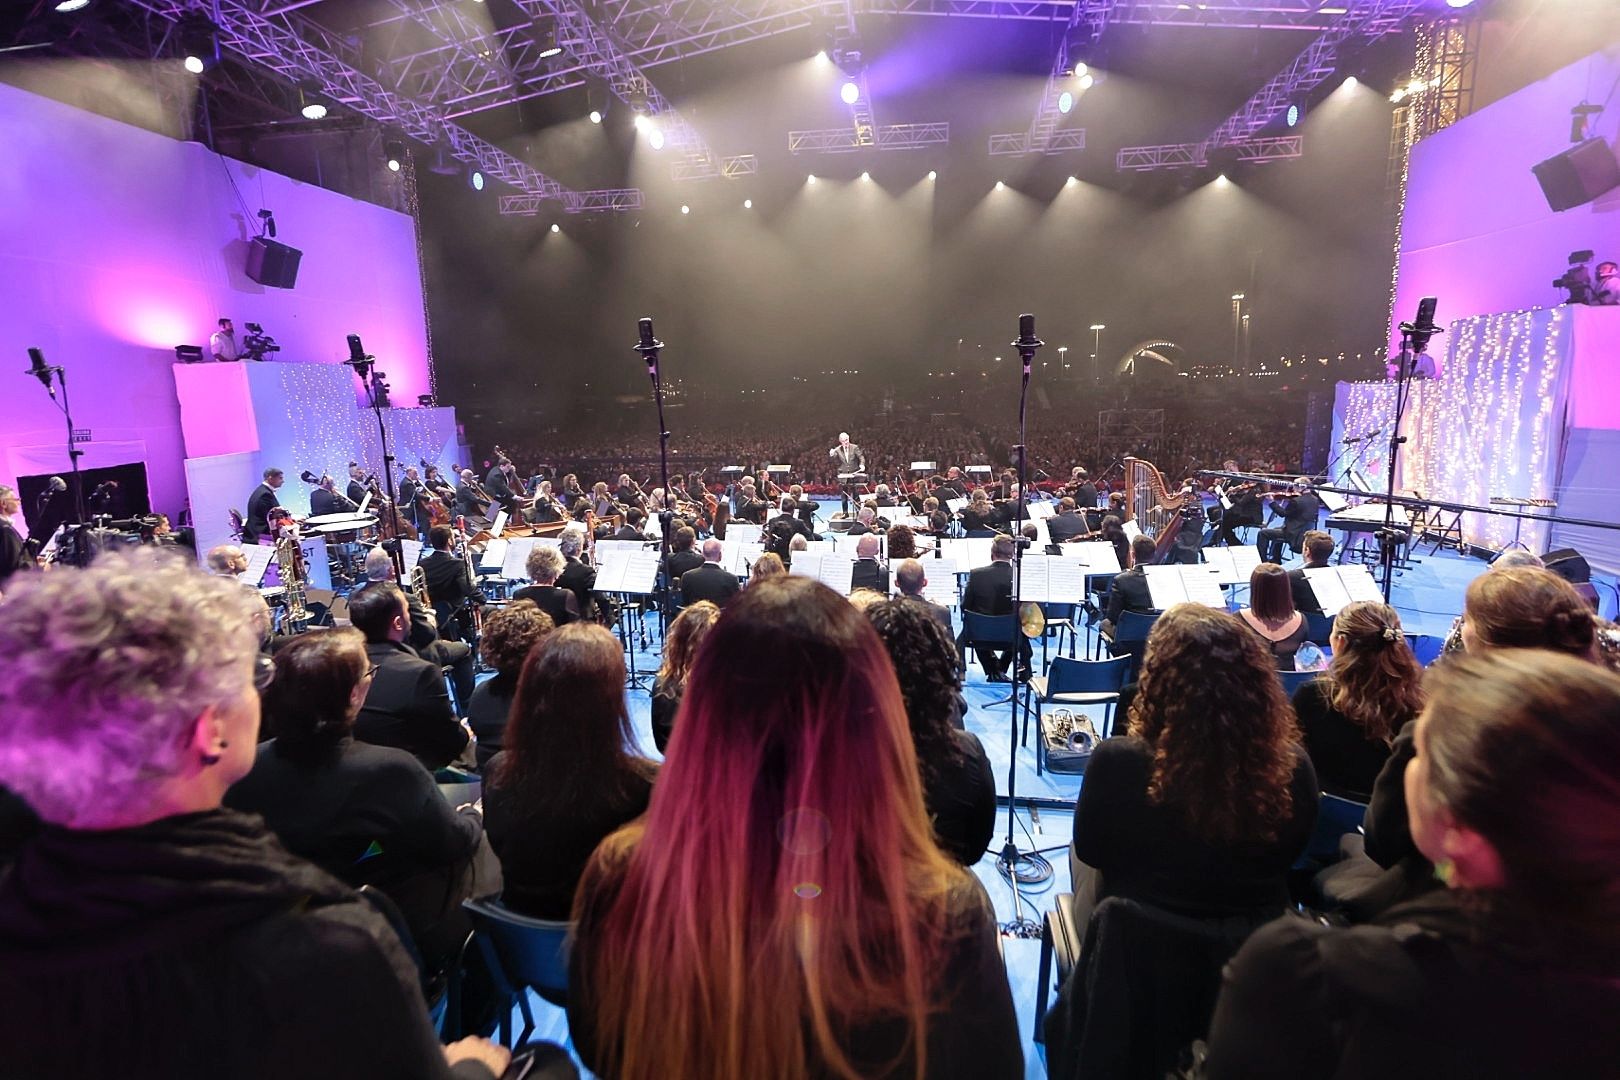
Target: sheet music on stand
{"type": "Point", "coordinates": [411, 553]}
{"type": "Point", "coordinates": [515, 559]}
{"type": "Point", "coordinates": [941, 588]}
{"type": "Point", "coordinates": [837, 572]}
{"type": "Point", "coordinates": [817, 547]}
{"type": "Point", "coordinates": [955, 505]}
{"type": "Point", "coordinates": [1043, 534]}
{"type": "Point", "coordinates": [807, 564]}
{"type": "Point", "coordinates": [1337, 587]}
{"type": "Point", "coordinates": [259, 558]}
{"type": "Point", "coordinates": [627, 547]}
{"type": "Point", "coordinates": [1040, 511]}
{"type": "Point", "coordinates": [737, 556]}
{"type": "Point", "coordinates": [915, 521]}
{"type": "Point", "coordinates": [1182, 584]}
{"type": "Point", "coordinates": [628, 572]}
{"type": "Point", "coordinates": [1053, 579]}
{"type": "Point", "coordinates": [845, 544]}
{"type": "Point", "coordinates": [743, 532]}
{"type": "Point", "coordinates": [1098, 556]}
{"type": "Point", "coordinates": [1232, 565]}
{"type": "Point", "coordinates": [1131, 528]}
{"type": "Point", "coordinates": [499, 525]}
{"type": "Point", "coordinates": [977, 551]}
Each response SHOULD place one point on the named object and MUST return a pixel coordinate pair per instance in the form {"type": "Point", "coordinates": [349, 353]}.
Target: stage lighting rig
{"type": "Point", "coordinates": [394, 151]}
{"type": "Point", "coordinates": [199, 44]}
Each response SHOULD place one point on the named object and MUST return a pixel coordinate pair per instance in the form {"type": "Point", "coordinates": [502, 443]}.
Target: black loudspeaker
{"type": "Point", "coordinates": [273, 264]}
{"type": "Point", "coordinates": [1578, 175]}
{"type": "Point", "coordinates": [1568, 564]}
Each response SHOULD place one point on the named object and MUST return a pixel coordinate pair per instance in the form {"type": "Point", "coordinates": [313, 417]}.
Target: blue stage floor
{"type": "Point", "coordinates": [1428, 595]}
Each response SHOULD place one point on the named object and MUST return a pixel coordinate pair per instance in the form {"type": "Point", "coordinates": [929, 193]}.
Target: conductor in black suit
{"type": "Point", "coordinates": [259, 504]}
{"type": "Point", "coordinates": [544, 566]}
{"type": "Point", "coordinates": [868, 572]}
{"type": "Point", "coordinates": [1299, 515]}
{"type": "Point", "coordinates": [847, 458]}
{"type": "Point", "coordinates": [710, 581]}
{"type": "Point", "coordinates": [989, 592]}
{"type": "Point", "coordinates": [407, 705]}
{"type": "Point", "coordinates": [449, 585]}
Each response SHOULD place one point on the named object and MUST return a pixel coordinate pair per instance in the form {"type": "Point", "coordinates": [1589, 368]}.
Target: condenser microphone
{"type": "Point", "coordinates": [40, 370]}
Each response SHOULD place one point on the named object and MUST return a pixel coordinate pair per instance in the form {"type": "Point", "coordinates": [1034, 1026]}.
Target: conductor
{"type": "Point", "coordinates": [850, 461]}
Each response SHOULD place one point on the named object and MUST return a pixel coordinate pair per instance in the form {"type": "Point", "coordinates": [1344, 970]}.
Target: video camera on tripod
{"type": "Point", "coordinates": [257, 344]}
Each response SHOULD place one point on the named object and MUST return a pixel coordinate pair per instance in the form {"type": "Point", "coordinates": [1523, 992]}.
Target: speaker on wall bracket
{"type": "Point", "coordinates": [272, 263]}
{"type": "Point", "coordinates": [1578, 175]}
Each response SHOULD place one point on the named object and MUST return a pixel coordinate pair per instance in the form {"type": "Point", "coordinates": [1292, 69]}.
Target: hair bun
{"type": "Point", "coordinates": [1390, 634]}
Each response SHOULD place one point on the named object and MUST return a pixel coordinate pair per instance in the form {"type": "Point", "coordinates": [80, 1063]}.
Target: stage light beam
{"type": "Point", "coordinates": [685, 209]}
{"type": "Point", "coordinates": [1087, 81]}
{"type": "Point", "coordinates": [850, 92]}
{"type": "Point", "coordinates": [748, 204]}
{"type": "Point", "coordinates": [596, 116]}
{"type": "Point", "coordinates": [933, 174]}
{"type": "Point", "coordinates": [1065, 102]}
{"type": "Point", "coordinates": [655, 137]}
{"type": "Point", "coordinates": [866, 176]}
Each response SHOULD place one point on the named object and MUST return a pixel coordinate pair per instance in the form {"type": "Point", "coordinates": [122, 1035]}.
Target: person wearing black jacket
{"type": "Point", "coordinates": [509, 634]}
{"type": "Point", "coordinates": [1067, 523]}
{"type": "Point", "coordinates": [264, 499]}
{"type": "Point", "coordinates": [577, 576]}
{"type": "Point", "coordinates": [989, 592]}
{"type": "Point", "coordinates": [1318, 550]}
{"type": "Point", "coordinates": [357, 489]}
{"type": "Point", "coordinates": [544, 566]}
{"type": "Point", "coordinates": [409, 485]}
{"type": "Point", "coordinates": [449, 584]}
{"type": "Point", "coordinates": [424, 636]}
{"type": "Point", "coordinates": [407, 705]}
{"type": "Point", "coordinates": [1299, 514]}
{"type": "Point", "coordinates": [867, 572]}
{"type": "Point", "coordinates": [681, 557]}
{"type": "Point", "coordinates": [1129, 590]}
{"type": "Point", "coordinates": [711, 581]}
{"type": "Point", "coordinates": [14, 554]}
{"type": "Point", "coordinates": [219, 953]}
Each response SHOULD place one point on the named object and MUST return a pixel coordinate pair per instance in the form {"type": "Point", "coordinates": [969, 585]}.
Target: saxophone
{"type": "Point", "coordinates": [290, 558]}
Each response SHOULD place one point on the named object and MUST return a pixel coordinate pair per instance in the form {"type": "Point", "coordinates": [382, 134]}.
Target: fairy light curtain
{"type": "Point", "coordinates": [1492, 424]}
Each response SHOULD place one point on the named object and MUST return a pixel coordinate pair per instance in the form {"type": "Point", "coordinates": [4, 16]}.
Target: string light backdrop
{"type": "Point", "coordinates": [1492, 425]}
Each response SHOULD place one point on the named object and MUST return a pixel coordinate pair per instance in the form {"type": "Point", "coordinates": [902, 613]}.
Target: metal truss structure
{"type": "Point", "coordinates": [1195, 155]}
{"type": "Point", "coordinates": [610, 200]}
{"type": "Point", "coordinates": [1085, 26]}
{"type": "Point", "coordinates": [888, 137]}
{"type": "Point", "coordinates": [1017, 143]}
{"type": "Point", "coordinates": [1311, 68]}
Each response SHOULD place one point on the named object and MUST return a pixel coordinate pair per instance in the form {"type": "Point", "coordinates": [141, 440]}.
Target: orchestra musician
{"type": "Point", "coordinates": [357, 489]}
{"type": "Point", "coordinates": [953, 485]}
{"type": "Point", "coordinates": [601, 501]}
{"type": "Point", "coordinates": [499, 484]}
{"type": "Point", "coordinates": [629, 493]}
{"type": "Point", "coordinates": [449, 585]}
{"type": "Point", "coordinates": [259, 505]}
{"type": "Point", "coordinates": [979, 516]}
{"type": "Point", "coordinates": [470, 502]}
{"type": "Point", "coordinates": [1241, 507]}
{"type": "Point", "coordinates": [750, 507]}
{"type": "Point", "coordinates": [409, 485]}
{"type": "Point", "coordinates": [1300, 509]}
{"type": "Point", "coordinates": [14, 554]}
{"type": "Point", "coordinates": [1068, 523]}
{"type": "Point", "coordinates": [571, 492]}
{"type": "Point", "coordinates": [939, 519]}
{"type": "Point", "coordinates": [546, 509]}
{"type": "Point", "coordinates": [325, 499]}
{"type": "Point", "coordinates": [1083, 492]}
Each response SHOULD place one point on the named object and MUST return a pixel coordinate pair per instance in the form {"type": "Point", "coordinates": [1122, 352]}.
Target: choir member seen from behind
{"type": "Point", "coordinates": [1203, 806]}
{"type": "Point", "coordinates": [1271, 614]}
{"type": "Point", "coordinates": [568, 773]}
{"type": "Point", "coordinates": [1372, 689]}
{"type": "Point", "coordinates": [1513, 969]}
{"type": "Point", "coordinates": [369, 815]}
{"type": "Point", "coordinates": [686, 633]}
{"type": "Point", "coordinates": [131, 705]}
{"type": "Point", "coordinates": [509, 633]}
{"type": "Point", "coordinates": [791, 792]}
{"type": "Point", "coordinates": [958, 787]}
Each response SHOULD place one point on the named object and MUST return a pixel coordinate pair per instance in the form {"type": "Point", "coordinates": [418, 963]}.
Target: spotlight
{"type": "Point", "coordinates": [866, 176]}
{"type": "Point", "coordinates": [685, 209]}
{"type": "Point", "coordinates": [640, 122]}
{"type": "Point", "coordinates": [596, 116]}
{"type": "Point", "coordinates": [476, 179]}
{"type": "Point", "coordinates": [1065, 102]}
{"type": "Point", "coordinates": [1087, 81]}
{"type": "Point", "coordinates": [1071, 181]}
{"type": "Point", "coordinates": [810, 179]}
{"type": "Point", "coordinates": [1292, 116]}
{"type": "Point", "coordinates": [850, 92]}
{"type": "Point", "coordinates": [1221, 180]}
{"type": "Point", "coordinates": [823, 58]}
{"type": "Point", "coordinates": [194, 65]}
{"type": "Point", "coordinates": [556, 228]}
{"type": "Point", "coordinates": [1080, 70]}
{"type": "Point", "coordinates": [1458, 3]}
{"type": "Point", "coordinates": [933, 175]}
{"type": "Point", "coordinates": [655, 136]}
{"type": "Point", "coordinates": [1000, 186]}
{"type": "Point", "coordinates": [1351, 82]}
{"type": "Point", "coordinates": [748, 204]}
{"type": "Point", "coordinates": [313, 110]}
{"type": "Point", "coordinates": [198, 44]}
{"type": "Point", "coordinates": [67, 7]}
{"type": "Point", "coordinates": [394, 150]}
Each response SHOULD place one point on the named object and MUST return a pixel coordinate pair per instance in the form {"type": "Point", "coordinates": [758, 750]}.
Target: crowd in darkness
{"type": "Point", "coordinates": [188, 806]}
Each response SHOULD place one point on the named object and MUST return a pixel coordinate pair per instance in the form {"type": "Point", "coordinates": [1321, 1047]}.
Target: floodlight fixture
{"type": "Point", "coordinates": [1291, 118]}
{"type": "Point", "coordinates": [1065, 102]}
{"type": "Point", "coordinates": [476, 179]}
{"type": "Point", "coordinates": [555, 227]}
{"type": "Point", "coordinates": [394, 151]}
{"type": "Point", "coordinates": [850, 92]}
{"type": "Point", "coordinates": [68, 7]}
{"type": "Point", "coordinates": [933, 174]}
{"type": "Point", "coordinates": [313, 110]}
{"type": "Point", "coordinates": [685, 209]}
{"type": "Point", "coordinates": [748, 204]}
{"type": "Point", "coordinates": [596, 116]}
{"type": "Point", "coordinates": [655, 136]}
{"type": "Point", "coordinates": [1087, 81]}
{"type": "Point", "coordinates": [549, 46]}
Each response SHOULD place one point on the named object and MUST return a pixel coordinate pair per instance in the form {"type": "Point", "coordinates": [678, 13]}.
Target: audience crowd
{"type": "Point", "coordinates": [188, 808]}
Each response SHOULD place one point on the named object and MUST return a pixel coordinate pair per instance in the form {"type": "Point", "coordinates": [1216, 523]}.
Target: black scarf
{"type": "Point", "coordinates": [82, 897]}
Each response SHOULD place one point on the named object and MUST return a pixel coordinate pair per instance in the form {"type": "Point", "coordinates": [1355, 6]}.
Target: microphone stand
{"type": "Point", "coordinates": [1017, 866]}
{"type": "Point", "coordinates": [1388, 539]}
{"type": "Point", "coordinates": [368, 379]}
{"type": "Point", "coordinates": [81, 549]}
{"type": "Point", "coordinates": [649, 347]}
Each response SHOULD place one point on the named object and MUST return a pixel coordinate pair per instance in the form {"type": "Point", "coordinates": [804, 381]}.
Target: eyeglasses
{"type": "Point", "coordinates": [371, 672]}
{"type": "Point", "coordinates": [264, 672]}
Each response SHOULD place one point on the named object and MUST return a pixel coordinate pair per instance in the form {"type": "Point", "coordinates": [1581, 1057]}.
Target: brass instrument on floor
{"type": "Point", "coordinates": [290, 560]}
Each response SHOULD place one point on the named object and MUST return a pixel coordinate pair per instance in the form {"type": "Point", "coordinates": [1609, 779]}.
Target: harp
{"type": "Point", "coordinates": [1156, 510]}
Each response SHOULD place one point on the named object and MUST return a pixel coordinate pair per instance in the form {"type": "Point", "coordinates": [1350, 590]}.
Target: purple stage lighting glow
{"type": "Point", "coordinates": [1458, 3]}
{"type": "Point", "coordinates": [1065, 102]}
{"type": "Point", "coordinates": [850, 92]}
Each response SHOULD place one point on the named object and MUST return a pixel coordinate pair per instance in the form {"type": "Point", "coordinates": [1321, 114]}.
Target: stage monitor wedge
{"type": "Point", "coordinates": [1578, 175]}
{"type": "Point", "coordinates": [273, 264]}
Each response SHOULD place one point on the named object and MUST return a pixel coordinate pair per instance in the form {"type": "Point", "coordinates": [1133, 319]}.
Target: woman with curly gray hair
{"type": "Point", "coordinates": [145, 930]}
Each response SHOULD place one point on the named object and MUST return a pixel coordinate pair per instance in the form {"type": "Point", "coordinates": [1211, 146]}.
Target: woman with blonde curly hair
{"type": "Point", "coordinates": [1352, 713]}
{"type": "Point", "coordinates": [509, 633]}
{"type": "Point", "coordinates": [1205, 804]}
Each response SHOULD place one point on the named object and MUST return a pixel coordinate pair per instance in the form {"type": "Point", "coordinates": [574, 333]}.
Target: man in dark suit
{"type": "Point", "coordinates": [865, 522]}
{"type": "Point", "coordinates": [326, 500]}
{"type": "Point", "coordinates": [911, 578]}
{"type": "Point", "coordinates": [498, 483]}
{"type": "Point", "coordinates": [1299, 514]}
{"type": "Point", "coordinates": [406, 705]}
{"type": "Point", "coordinates": [577, 577]}
{"type": "Point", "coordinates": [408, 487]}
{"type": "Point", "coordinates": [544, 566]}
{"type": "Point", "coordinates": [1318, 550]}
{"type": "Point", "coordinates": [468, 503]}
{"type": "Point", "coordinates": [259, 505]}
{"type": "Point", "coordinates": [424, 635]}
{"type": "Point", "coordinates": [1066, 524]}
{"type": "Point", "coordinates": [868, 573]}
{"type": "Point", "coordinates": [1085, 492]}
{"type": "Point", "coordinates": [634, 527]}
{"type": "Point", "coordinates": [953, 486]}
{"type": "Point", "coordinates": [449, 585]}
{"type": "Point", "coordinates": [357, 490]}
{"type": "Point", "coordinates": [710, 581]}
{"type": "Point", "coordinates": [989, 592]}
{"type": "Point", "coordinates": [1129, 591]}
{"type": "Point", "coordinates": [682, 557]}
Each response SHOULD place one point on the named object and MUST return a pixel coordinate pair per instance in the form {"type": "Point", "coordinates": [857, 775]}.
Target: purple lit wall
{"type": "Point", "coordinates": [117, 244]}
{"type": "Point", "coordinates": [1477, 232]}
